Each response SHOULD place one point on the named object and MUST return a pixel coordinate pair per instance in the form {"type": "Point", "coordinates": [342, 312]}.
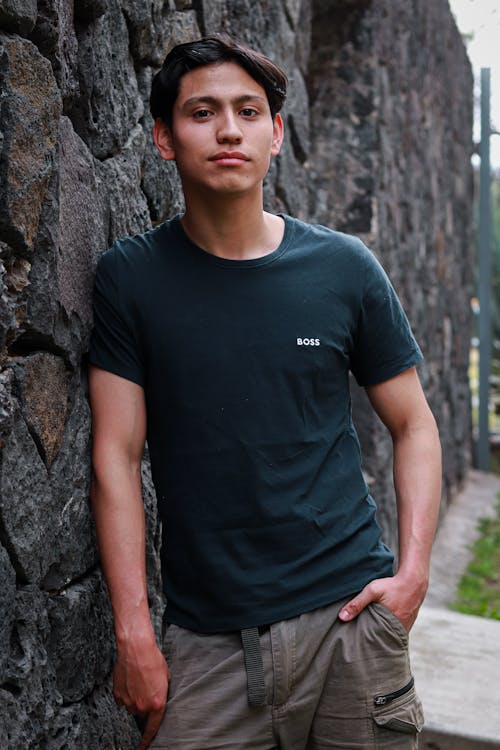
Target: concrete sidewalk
{"type": "Point", "coordinates": [455, 657]}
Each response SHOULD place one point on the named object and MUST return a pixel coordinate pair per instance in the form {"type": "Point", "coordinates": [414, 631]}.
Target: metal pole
{"type": "Point", "coordinates": [483, 451]}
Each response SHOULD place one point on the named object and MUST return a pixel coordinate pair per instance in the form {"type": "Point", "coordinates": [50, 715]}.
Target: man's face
{"type": "Point", "coordinates": [222, 136]}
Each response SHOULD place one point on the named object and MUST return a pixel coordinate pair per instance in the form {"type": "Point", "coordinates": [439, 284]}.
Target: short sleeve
{"type": "Point", "coordinates": [113, 345]}
{"type": "Point", "coordinates": [383, 344]}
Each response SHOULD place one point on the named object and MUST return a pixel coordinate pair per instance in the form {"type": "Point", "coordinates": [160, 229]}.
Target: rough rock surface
{"type": "Point", "coordinates": [30, 109]}
{"type": "Point", "coordinates": [378, 138]}
{"type": "Point", "coordinates": [18, 15]}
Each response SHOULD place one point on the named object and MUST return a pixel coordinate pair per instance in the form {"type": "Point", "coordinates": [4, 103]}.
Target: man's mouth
{"type": "Point", "coordinates": [229, 157]}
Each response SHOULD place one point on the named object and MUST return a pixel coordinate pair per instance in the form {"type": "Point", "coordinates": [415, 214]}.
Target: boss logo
{"type": "Point", "coordinates": [308, 342]}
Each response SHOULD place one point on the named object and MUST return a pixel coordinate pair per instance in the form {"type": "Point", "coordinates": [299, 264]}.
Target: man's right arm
{"type": "Point", "coordinates": [119, 433]}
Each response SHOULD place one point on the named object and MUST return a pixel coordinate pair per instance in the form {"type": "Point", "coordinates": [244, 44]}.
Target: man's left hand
{"type": "Point", "coordinates": [402, 596]}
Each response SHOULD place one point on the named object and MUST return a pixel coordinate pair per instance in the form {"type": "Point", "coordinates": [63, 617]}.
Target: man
{"type": "Point", "coordinates": [225, 336]}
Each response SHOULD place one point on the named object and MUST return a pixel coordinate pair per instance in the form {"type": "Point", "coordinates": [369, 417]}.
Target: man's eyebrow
{"type": "Point", "coordinates": [215, 102]}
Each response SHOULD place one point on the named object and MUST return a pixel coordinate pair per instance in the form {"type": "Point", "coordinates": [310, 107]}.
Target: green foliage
{"type": "Point", "coordinates": [478, 592]}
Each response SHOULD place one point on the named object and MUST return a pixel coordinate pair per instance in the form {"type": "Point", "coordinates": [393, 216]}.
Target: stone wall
{"type": "Point", "coordinates": [378, 139]}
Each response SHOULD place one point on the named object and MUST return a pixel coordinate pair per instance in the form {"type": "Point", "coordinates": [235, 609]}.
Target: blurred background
{"type": "Point", "coordinates": [479, 24]}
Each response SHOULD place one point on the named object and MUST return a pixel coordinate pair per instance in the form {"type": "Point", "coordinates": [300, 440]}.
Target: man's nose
{"type": "Point", "coordinates": [229, 129]}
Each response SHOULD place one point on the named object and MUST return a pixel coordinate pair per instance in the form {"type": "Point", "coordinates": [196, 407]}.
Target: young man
{"type": "Point", "coordinates": [226, 336]}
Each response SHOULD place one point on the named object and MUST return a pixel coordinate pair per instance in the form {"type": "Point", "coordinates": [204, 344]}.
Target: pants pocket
{"type": "Point", "coordinates": [391, 620]}
{"type": "Point", "coordinates": [399, 712]}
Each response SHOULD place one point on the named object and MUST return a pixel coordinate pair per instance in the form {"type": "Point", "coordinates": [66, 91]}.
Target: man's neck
{"type": "Point", "coordinates": [233, 229]}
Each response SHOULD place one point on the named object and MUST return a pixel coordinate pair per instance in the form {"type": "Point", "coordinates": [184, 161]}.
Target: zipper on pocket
{"type": "Point", "coordinates": [383, 700]}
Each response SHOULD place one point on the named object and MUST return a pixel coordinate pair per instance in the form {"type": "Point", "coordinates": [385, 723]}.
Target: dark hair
{"type": "Point", "coordinates": [213, 49]}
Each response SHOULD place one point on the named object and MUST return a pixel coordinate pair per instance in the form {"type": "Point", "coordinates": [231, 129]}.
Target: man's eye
{"type": "Point", "coordinates": [201, 114]}
{"type": "Point", "coordinates": [249, 112]}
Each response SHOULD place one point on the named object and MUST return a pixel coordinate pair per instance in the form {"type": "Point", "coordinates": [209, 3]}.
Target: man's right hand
{"type": "Point", "coordinates": [140, 683]}
{"type": "Point", "coordinates": [118, 436]}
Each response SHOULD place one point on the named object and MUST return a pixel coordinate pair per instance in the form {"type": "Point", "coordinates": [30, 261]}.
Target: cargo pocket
{"type": "Point", "coordinates": [396, 714]}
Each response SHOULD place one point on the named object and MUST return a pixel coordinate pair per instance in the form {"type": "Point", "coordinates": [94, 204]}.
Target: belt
{"type": "Point", "coordinates": [256, 686]}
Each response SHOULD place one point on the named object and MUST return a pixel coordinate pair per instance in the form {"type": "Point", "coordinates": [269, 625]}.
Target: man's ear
{"type": "Point", "coordinates": [278, 133]}
{"type": "Point", "coordinates": [163, 139]}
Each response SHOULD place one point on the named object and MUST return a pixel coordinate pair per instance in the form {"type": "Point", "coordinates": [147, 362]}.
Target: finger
{"type": "Point", "coordinates": [150, 730]}
{"type": "Point", "coordinates": [352, 609]}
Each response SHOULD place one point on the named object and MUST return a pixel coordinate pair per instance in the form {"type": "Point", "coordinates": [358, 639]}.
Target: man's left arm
{"type": "Point", "coordinates": [402, 406]}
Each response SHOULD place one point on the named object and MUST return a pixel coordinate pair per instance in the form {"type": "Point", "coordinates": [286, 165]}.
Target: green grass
{"type": "Point", "coordinates": [478, 592]}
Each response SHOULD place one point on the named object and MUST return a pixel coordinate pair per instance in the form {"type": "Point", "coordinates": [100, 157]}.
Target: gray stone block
{"type": "Point", "coordinates": [83, 216]}
{"type": "Point", "coordinates": [291, 181]}
{"type": "Point", "coordinates": [95, 722]}
{"type": "Point", "coordinates": [29, 117]}
{"type": "Point", "coordinates": [66, 729]}
{"type": "Point", "coordinates": [54, 35]}
{"type": "Point", "coordinates": [73, 230]}
{"type": "Point", "coordinates": [153, 542]}
{"type": "Point", "coordinates": [46, 517]}
{"type": "Point", "coordinates": [155, 27]}
{"type": "Point", "coordinates": [108, 105]}
{"type": "Point", "coordinates": [7, 306]}
{"type": "Point", "coordinates": [106, 725]}
{"type": "Point", "coordinates": [296, 113]}
{"type": "Point", "coordinates": [26, 504]}
{"type": "Point", "coordinates": [120, 177]}
{"type": "Point", "coordinates": [18, 16]}
{"type": "Point", "coordinates": [44, 382]}
{"type": "Point", "coordinates": [28, 697]}
{"type": "Point", "coordinates": [160, 180]}
{"type": "Point", "coordinates": [6, 406]}
{"type": "Point", "coordinates": [79, 615]}
{"type": "Point", "coordinates": [88, 10]}
{"type": "Point", "coordinates": [70, 474]}
{"type": "Point", "coordinates": [7, 599]}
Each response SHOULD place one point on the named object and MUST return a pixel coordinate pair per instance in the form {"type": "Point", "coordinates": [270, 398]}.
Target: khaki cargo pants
{"type": "Point", "coordinates": [326, 684]}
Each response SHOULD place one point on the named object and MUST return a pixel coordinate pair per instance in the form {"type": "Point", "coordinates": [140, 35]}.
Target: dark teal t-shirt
{"type": "Point", "coordinates": [255, 460]}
